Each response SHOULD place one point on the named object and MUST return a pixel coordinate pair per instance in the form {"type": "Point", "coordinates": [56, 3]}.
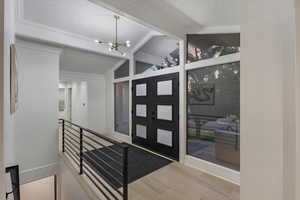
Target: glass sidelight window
{"type": "Point", "coordinates": [213, 114]}
{"type": "Point", "coordinates": [122, 107]}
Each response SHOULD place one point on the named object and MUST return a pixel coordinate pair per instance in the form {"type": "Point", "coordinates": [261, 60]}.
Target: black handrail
{"type": "Point", "coordinates": [80, 148]}
{"type": "Point", "coordinates": [15, 182]}
{"type": "Point", "coordinates": [94, 133]}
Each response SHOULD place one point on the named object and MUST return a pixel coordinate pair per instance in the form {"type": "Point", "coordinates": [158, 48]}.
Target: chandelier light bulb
{"type": "Point", "coordinates": [128, 43]}
{"type": "Point", "coordinates": [110, 49]}
{"type": "Point", "coordinates": [97, 41]}
{"type": "Point", "coordinates": [110, 44]}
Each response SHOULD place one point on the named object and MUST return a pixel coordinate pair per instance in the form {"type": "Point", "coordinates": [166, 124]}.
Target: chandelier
{"type": "Point", "coordinates": [115, 45]}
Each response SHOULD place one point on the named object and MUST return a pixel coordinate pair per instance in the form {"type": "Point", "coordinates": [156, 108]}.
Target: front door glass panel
{"type": "Point", "coordinates": [164, 137]}
{"type": "Point", "coordinates": [155, 114]}
{"type": "Point", "coordinates": [164, 112]}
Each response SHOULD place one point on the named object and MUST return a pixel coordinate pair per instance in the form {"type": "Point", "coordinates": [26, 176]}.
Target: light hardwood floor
{"type": "Point", "coordinates": [180, 182]}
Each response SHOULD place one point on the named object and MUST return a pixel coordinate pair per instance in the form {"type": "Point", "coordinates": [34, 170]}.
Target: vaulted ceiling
{"type": "Point", "coordinates": [84, 18]}
{"type": "Point", "coordinates": [74, 24]}
{"type": "Point", "coordinates": [210, 12]}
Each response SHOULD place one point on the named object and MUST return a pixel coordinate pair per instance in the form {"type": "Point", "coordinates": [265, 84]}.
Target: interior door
{"type": "Point", "coordinates": [155, 114]}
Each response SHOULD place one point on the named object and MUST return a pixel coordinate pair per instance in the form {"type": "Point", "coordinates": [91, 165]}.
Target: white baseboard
{"type": "Point", "coordinates": [122, 137]}
{"type": "Point", "coordinates": [213, 169]}
{"type": "Point", "coordinates": [38, 173]}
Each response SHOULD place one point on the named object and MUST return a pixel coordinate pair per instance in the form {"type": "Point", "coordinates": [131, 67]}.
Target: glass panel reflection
{"type": "Point", "coordinates": [165, 112]}
{"type": "Point", "coordinates": [122, 107]}
{"type": "Point", "coordinates": [158, 53]}
{"type": "Point", "coordinates": [164, 137]}
{"type": "Point", "coordinates": [164, 87]}
{"type": "Point", "coordinates": [141, 131]}
{"type": "Point", "coordinates": [141, 90]}
{"type": "Point", "coordinates": [141, 110]}
{"type": "Point", "coordinates": [214, 114]}
{"type": "Point", "coordinates": [122, 71]}
{"type": "Point", "coordinates": [204, 46]}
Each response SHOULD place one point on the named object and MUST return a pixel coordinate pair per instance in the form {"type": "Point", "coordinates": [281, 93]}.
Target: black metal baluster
{"type": "Point", "coordinates": [71, 141]}
{"type": "Point", "coordinates": [63, 135]}
{"type": "Point", "coordinates": [81, 151]}
{"type": "Point", "coordinates": [125, 172]}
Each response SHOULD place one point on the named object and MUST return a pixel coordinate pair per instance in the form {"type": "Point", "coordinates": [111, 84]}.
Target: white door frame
{"type": "Point", "coordinates": [2, 172]}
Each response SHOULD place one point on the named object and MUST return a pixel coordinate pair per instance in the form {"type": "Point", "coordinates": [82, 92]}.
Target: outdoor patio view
{"type": "Point", "coordinates": [214, 114]}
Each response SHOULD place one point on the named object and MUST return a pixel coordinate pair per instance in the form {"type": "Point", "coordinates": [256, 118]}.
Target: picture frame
{"type": "Point", "coordinates": [202, 94]}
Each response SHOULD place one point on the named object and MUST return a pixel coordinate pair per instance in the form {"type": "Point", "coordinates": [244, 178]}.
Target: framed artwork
{"type": "Point", "coordinates": [61, 100]}
{"type": "Point", "coordinates": [14, 93]}
{"type": "Point", "coordinates": [202, 94]}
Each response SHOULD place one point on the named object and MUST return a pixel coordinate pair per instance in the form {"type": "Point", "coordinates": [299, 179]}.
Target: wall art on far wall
{"type": "Point", "coordinates": [201, 94]}
{"type": "Point", "coordinates": [14, 93]}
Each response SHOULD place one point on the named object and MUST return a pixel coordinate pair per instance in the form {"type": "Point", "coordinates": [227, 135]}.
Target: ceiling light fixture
{"type": "Point", "coordinates": [114, 46]}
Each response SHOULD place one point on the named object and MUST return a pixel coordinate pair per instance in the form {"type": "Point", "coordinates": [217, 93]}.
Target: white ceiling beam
{"type": "Point", "coordinates": [158, 15]}
{"type": "Point", "coordinates": [144, 40]}
{"type": "Point", "coordinates": [44, 33]}
{"type": "Point", "coordinates": [121, 62]}
{"type": "Point", "coordinates": [220, 29]}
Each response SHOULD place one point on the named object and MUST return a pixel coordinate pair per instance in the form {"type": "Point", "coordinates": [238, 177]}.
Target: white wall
{"type": "Point", "coordinates": [296, 168]}
{"type": "Point", "coordinates": [7, 156]}
{"type": "Point", "coordinates": [37, 115]}
{"type": "Point", "coordinates": [96, 105]}
{"type": "Point", "coordinates": [267, 99]}
{"type": "Point", "coordinates": [88, 99]}
{"type": "Point", "coordinates": [9, 38]}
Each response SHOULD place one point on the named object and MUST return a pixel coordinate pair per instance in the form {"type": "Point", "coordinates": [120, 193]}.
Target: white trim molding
{"type": "Point", "coordinates": [38, 173]}
{"type": "Point", "coordinates": [122, 137]}
{"type": "Point", "coordinates": [157, 73]}
{"type": "Point", "coordinates": [38, 47]}
{"type": "Point", "coordinates": [144, 40]}
{"type": "Point", "coordinates": [214, 61]}
{"type": "Point", "coordinates": [41, 32]}
{"type": "Point", "coordinates": [71, 76]}
{"type": "Point", "coordinates": [121, 62]}
{"type": "Point", "coordinates": [119, 80]}
{"type": "Point", "coordinates": [219, 29]}
{"type": "Point", "coordinates": [213, 169]}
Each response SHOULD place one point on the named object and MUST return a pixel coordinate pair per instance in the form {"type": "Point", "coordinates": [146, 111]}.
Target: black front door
{"type": "Point", "coordinates": [155, 114]}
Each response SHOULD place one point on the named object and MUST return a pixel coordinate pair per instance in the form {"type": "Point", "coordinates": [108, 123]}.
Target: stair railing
{"type": "Point", "coordinates": [102, 160]}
